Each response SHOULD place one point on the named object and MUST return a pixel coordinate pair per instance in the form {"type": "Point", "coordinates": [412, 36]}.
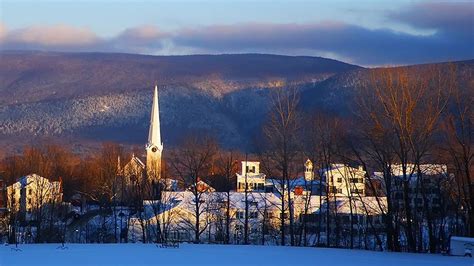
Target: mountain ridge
{"type": "Point", "coordinates": [93, 97]}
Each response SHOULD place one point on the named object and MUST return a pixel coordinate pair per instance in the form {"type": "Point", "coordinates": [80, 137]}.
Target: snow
{"type": "Point", "coordinates": [189, 254]}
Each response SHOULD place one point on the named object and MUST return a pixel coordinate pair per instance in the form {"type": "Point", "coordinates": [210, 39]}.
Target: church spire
{"type": "Point", "coordinates": [154, 147]}
{"type": "Point", "coordinates": [154, 135]}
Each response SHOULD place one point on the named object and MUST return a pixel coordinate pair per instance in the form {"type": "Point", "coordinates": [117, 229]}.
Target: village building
{"type": "Point", "coordinates": [250, 177]}
{"type": "Point", "coordinates": [33, 192]}
{"type": "Point", "coordinates": [344, 180]}
{"type": "Point", "coordinates": [424, 184]}
{"type": "Point", "coordinates": [302, 185]}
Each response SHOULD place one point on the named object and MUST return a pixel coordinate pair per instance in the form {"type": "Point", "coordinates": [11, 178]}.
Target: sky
{"type": "Point", "coordinates": [366, 32]}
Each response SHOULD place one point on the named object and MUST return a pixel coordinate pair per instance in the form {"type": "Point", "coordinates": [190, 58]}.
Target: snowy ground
{"type": "Point", "coordinates": [187, 254]}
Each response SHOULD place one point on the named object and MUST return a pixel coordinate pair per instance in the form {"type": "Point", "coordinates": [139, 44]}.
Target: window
{"type": "Point", "coordinates": [309, 218]}
{"type": "Point", "coordinates": [175, 235]}
{"type": "Point", "coordinates": [253, 215]}
{"type": "Point", "coordinates": [239, 228]}
{"type": "Point", "coordinates": [269, 215]}
{"type": "Point", "coordinates": [29, 201]}
{"type": "Point", "coordinates": [240, 215]}
{"type": "Point", "coordinates": [30, 191]}
{"type": "Point", "coordinates": [345, 219]}
{"type": "Point", "coordinates": [250, 169]}
{"type": "Point", "coordinates": [357, 190]}
{"type": "Point", "coordinates": [356, 180]}
{"type": "Point", "coordinates": [339, 180]}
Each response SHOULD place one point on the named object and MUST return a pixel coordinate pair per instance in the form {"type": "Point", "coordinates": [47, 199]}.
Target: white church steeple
{"type": "Point", "coordinates": [154, 147]}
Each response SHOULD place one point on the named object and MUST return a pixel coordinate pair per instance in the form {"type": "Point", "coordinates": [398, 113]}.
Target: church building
{"type": "Point", "coordinates": [135, 168]}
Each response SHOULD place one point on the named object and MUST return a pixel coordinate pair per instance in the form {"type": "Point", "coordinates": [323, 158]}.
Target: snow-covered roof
{"type": "Point", "coordinates": [426, 169]}
{"type": "Point", "coordinates": [342, 169]}
{"type": "Point", "coordinates": [362, 205]}
{"type": "Point", "coordinates": [185, 200]}
{"type": "Point", "coordinates": [463, 238]}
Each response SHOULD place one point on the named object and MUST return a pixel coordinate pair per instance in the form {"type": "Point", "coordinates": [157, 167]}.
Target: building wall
{"type": "Point", "coordinates": [31, 192]}
{"type": "Point", "coordinates": [344, 180]}
{"type": "Point", "coordinates": [251, 175]}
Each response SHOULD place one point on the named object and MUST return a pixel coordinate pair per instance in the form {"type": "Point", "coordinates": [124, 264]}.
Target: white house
{"type": "Point", "coordinates": [422, 187]}
{"type": "Point", "coordinates": [344, 180]}
{"type": "Point", "coordinates": [251, 176]}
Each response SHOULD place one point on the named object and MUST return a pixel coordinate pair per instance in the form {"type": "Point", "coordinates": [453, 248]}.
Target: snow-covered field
{"type": "Point", "coordinates": [187, 254]}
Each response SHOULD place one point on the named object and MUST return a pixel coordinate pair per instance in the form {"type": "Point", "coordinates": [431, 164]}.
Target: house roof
{"type": "Point", "coordinates": [184, 201]}
{"type": "Point", "coordinates": [28, 179]}
{"type": "Point", "coordinates": [362, 205]}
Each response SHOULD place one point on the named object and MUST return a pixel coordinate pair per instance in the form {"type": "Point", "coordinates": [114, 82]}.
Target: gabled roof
{"type": "Point", "coordinates": [135, 160]}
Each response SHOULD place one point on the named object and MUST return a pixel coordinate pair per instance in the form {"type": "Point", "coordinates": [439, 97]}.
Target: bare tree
{"type": "Point", "coordinates": [403, 110]}
{"type": "Point", "coordinates": [459, 138]}
{"type": "Point", "coordinates": [191, 161]}
{"type": "Point", "coordinates": [227, 167]}
{"type": "Point", "coordinates": [322, 139]}
{"type": "Point", "coordinates": [281, 134]}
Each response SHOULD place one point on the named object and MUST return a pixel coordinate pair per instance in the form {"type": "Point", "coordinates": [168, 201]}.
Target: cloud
{"type": "Point", "coordinates": [445, 17]}
{"type": "Point", "coordinates": [54, 37]}
{"type": "Point", "coordinates": [142, 39]}
{"type": "Point", "coordinates": [451, 24]}
{"type": "Point", "coordinates": [57, 35]}
{"type": "Point", "coordinates": [146, 38]}
{"type": "Point", "coordinates": [3, 31]}
{"type": "Point", "coordinates": [358, 44]}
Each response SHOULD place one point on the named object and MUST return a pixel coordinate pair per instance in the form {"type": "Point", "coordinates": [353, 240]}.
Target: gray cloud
{"type": "Point", "coordinates": [445, 17]}
{"type": "Point", "coordinates": [358, 44]}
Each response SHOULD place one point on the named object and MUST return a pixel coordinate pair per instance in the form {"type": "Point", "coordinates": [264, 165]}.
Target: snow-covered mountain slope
{"type": "Point", "coordinates": [94, 97]}
{"type": "Point", "coordinates": [108, 96]}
